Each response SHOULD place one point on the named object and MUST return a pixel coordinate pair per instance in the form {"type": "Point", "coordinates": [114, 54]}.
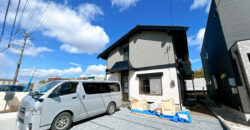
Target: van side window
{"type": "Point", "coordinates": [90, 88]}
{"type": "Point", "coordinates": [114, 87]}
{"type": "Point", "coordinates": [68, 88]}
{"type": "Point", "coordinates": [94, 88]}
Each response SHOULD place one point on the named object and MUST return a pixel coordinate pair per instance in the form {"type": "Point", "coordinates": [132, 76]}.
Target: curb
{"type": "Point", "coordinates": [223, 122]}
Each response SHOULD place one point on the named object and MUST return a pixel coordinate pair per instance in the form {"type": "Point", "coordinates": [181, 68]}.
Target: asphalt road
{"type": "Point", "coordinates": [124, 120]}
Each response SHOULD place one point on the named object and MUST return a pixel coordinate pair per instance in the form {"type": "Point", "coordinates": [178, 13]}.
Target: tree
{"type": "Point", "coordinates": [199, 73]}
{"type": "Point", "coordinates": [43, 82]}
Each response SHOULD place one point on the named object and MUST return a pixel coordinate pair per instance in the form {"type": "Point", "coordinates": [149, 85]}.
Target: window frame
{"type": "Point", "coordinates": [149, 94]}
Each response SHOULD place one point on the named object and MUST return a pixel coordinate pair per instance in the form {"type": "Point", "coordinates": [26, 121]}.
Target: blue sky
{"type": "Point", "coordinates": [67, 35]}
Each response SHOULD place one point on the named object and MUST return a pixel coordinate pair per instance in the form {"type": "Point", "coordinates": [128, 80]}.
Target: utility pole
{"type": "Point", "coordinates": [25, 35]}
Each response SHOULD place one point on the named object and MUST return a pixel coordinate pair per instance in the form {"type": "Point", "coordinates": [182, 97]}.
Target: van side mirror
{"type": "Point", "coordinates": [54, 94]}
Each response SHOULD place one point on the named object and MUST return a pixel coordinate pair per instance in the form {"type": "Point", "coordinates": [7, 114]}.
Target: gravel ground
{"type": "Point", "coordinates": [124, 120]}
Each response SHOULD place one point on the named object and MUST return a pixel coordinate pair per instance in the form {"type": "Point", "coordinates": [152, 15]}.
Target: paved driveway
{"type": "Point", "coordinates": [124, 120]}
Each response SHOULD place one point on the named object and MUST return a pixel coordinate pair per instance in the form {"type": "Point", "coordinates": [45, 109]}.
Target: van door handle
{"type": "Point", "coordinates": [83, 96]}
{"type": "Point", "coordinates": [74, 97]}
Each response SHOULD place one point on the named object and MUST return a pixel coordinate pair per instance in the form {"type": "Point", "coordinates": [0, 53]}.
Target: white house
{"type": "Point", "coordinates": [7, 82]}
{"type": "Point", "coordinates": [151, 62]}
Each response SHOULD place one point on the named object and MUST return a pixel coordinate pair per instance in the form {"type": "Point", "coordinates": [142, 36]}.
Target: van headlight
{"type": "Point", "coordinates": [33, 112]}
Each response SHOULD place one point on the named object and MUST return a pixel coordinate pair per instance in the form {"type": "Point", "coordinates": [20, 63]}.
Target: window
{"type": "Point", "coordinates": [114, 87]}
{"type": "Point", "coordinates": [150, 85]}
{"type": "Point", "coordinates": [95, 88]}
{"type": "Point", "coordinates": [90, 88]}
{"type": "Point", "coordinates": [248, 56]}
{"type": "Point", "coordinates": [67, 88]}
{"type": "Point", "coordinates": [125, 54]}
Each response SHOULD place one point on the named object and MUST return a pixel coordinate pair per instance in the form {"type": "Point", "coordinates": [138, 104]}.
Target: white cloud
{"type": "Point", "coordinates": [201, 4]}
{"type": "Point", "coordinates": [30, 49]}
{"type": "Point", "coordinates": [40, 74]}
{"type": "Point", "coordinates": [72, 27]}
{"type": "Point", "coordinates": [75, 64]}
{"type": "Point", "coordinates": [6, 65]}
{"type": "Point", "coordinates": [124, 4]}
{"type": "Point", "coordinates": [89, 11]}
{"type": "Point", "coordinates": [197, 40]}
{"type": "Point", "coordinates": [196, 60]}
{"type": "Point", "coordinates": [97, 70]}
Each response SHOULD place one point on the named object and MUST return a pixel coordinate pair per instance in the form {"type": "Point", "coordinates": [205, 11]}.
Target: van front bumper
{"type": "Point", "coordinates": [28, 122]}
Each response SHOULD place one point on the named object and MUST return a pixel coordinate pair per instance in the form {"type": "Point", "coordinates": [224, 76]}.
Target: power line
{"type": "Point", "coordinates": [20, 20]}
{"type": "Point", "coordinates": [46, 12]}
{"type": "Point", "coordinates": [32, 13]}
{"type": "Point", "coordinates": [5, 17]}
{"type": "Point", "coordinates": [13, 26]}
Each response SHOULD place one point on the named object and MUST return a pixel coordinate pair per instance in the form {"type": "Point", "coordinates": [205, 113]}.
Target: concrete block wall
{"type": "Point", "coordinates": [14, 100]}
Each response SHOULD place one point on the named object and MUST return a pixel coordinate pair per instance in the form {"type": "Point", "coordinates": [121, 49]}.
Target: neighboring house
{"type": "Point", "coordinates": [226, 55]}
{"type": "Point", "coordinates": [54, 78]}
{"type": "Point", "coordinates": [151, 62]}
{"type": "Point", "coordinates": [96, 78]}
{"type": "Point", "coordinates": [7, 82]}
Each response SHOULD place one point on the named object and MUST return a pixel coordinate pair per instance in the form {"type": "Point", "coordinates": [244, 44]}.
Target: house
{"type": "Point", "coordinates": [94, 77]}
{"type": "Point", "coordinates": [225, 55]}
{"type": "Point", "coordinates": [150, 61]}
{"type": "Point", "coordinates": [7, 82]}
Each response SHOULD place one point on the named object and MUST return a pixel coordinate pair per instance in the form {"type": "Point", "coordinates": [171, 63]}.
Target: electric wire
{"type": "Point", "coordinates": [20, 20]}
{"type": "Point", "coordinates": [32, 15]}
{"type": "Point", "coordinates": [46, 12]}
{"type": "Point", "coordinates": [13, 26]}
{"type": "Point", "coordinates": [5, 17]}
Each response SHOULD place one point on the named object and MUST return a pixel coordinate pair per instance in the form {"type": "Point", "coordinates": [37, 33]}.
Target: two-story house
{"type": "Point", "coordinates": [225, 55]}
{"type": "Point", "coordinates": [151, 62]}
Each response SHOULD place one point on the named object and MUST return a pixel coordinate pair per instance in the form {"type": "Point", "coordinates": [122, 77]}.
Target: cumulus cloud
{"type": "Point", "coordinates": [6, 65]}
{"type": "Point", "coordinates": [197, 4]}
{"type": "Point", "coordinates": [97, 70]}
{"type": "Point", "coordinates": [197, 40]}
{"type": "Point", "coordinates": [30, 49]}
{"type": "Point", "coordinates": [72, 27]}
{"type": "Point", "coordinates": [124, 4]}
{"type": "Point", "coordinates": [41, 74]}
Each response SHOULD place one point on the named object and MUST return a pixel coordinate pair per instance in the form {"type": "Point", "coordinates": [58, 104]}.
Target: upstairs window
{"type": "Point", "coordinates": [125, 53]}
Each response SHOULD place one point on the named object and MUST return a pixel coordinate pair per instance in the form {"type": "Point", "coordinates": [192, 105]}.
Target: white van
{"type": "Point", "coordinates": [57, 104]}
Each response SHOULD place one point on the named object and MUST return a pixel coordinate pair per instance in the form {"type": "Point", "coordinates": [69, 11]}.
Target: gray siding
{"type": "Point", "coordinates": [114, 56]}
{"type": "Point", "coordinates": [235, 20]}
{"type": "Point", "coordinates": [150, 49]}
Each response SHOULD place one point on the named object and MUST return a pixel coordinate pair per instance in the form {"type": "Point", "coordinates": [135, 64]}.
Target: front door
{"type": "Point", "coordinates": [124, 85]}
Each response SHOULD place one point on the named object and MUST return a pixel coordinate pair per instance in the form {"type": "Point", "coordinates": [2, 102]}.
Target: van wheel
{"type": "Point", "coordinates": [62, 121]}
{"type": "Point", "coordinates": [111, 108]}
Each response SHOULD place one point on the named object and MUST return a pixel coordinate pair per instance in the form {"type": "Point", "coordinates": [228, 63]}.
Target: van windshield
{"type": "Point", "coordinates": [45, 88]}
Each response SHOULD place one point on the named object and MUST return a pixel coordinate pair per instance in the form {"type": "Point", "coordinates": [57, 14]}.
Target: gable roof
{"type": "Point", "coordinates": [138, 28]}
